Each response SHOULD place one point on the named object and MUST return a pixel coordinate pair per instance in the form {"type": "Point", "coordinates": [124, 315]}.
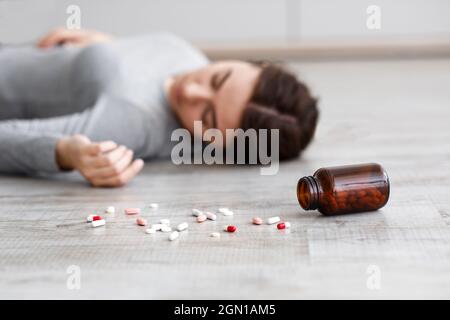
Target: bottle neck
{"type": "Point", "coordinates": [308, 193]}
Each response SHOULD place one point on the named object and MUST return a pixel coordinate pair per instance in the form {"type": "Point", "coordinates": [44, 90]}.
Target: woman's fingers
{"type": "Point", "coordinates": [104, 164]}
{"type": "Point", "coordinates": [94, 149]}
{"type": "Point", "coordinates": [106, 159]}
{"type": "Point", "coordinates": [121, 179]}
{"type": "Point", "coordinates": [117, 167]}
{"type": "Point", "coordinates": [58, 36]}
{"type": "Point", "coordinates": [73, 37]}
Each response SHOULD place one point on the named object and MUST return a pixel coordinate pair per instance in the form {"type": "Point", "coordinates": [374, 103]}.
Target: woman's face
{"type": "Point", "coordinates": [216, 94]}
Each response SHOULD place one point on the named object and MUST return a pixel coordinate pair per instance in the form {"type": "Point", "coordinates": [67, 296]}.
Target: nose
{"type": "Point", "coordinates": [194, 92]}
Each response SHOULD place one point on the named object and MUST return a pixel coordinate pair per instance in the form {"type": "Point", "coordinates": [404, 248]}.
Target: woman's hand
{"type": "Point", "coordinates": [79, 38]}
{"type": "Point", "coordinates": [103, 164]}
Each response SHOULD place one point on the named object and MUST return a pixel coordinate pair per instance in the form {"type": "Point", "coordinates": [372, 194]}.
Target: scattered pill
{"type": "Point", "coordinates": [228, 213]}
{"type": "Point", "coordinates": [257, 220]}
{"type": "Point", "coordinates": [182, 226]}
{"type": "Point", "coordinates": [215, 235]}
{"type": "Point", "coordinates": [230, 228]}
{"type": "Point", "coordinates": [174, 235]}
{"type": "Point", "coordinates": [150, 230]}
{"type": "Point", "coordinates": [110, 210]}
{"type": "Point", "coordinates": [95, 218]}
{"type": "Point", "coordinates": [201, 218]}
{"type": "Point", "coordinates": [90, 217]}
{"type": "Point", "coordinates": [153, 205]}
{"type": "Point", "coordinates": [211, 216]}
{"type": "Point", "coordinates": [273, 220]}
{"type": "Point", "coordinates": [141, 221]}
{"type": "Point", "coordinates": [133, 211]}
{"type": "Point", "coordinates": [166, 228]}
{"type": "Point", "coordinates": [98, 223]}
{"type": "Point", "coordinates": [157, 226]}
{"type": "Point", "coordinates": [196, 212]}
{"type": "Point", "coordinates": [165, 221]}
{"type": "Point", "coordinates": [223, 210]}
{"type": "Point", "coordinates": [281, 226]}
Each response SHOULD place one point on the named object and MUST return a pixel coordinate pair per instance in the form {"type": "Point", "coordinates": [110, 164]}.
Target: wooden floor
{"type": "Point", "coordinates": [396, 113]}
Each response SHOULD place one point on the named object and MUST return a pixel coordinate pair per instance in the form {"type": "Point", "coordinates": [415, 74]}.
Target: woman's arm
{"type": "Point", "coordinates": [64, 143]}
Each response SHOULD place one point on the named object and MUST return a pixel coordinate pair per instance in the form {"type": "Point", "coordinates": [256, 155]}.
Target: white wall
{"type": "Point", "coordinates": [219, 21]}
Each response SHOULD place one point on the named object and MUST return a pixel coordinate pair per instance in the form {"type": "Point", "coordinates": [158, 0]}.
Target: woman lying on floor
{"type": "Point", "coordinates": [82, 101]}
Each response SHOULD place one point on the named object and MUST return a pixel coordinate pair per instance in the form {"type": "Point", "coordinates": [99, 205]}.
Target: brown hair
{"type": "Point", "coordinates": [281, 101]}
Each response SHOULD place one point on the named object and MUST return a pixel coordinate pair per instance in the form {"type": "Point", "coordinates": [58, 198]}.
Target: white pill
{"type": "Point", "coordinates": [153, 205]}
{"type": "Point", "coordinates": [157, 226]}
{"type": "Point", "coordinates": [98, 223]}
{"type": "Point", "coordinates": [165, 228]}
{"type": "Point", "coordinates": [90, 217]}
{"type": "Point", "coordinates": [196, 212]}
{"type": "Point", "coordinates": [174, 235]}
{"type": "Point", "coordinates": [287, 225]}
{"type": "Point", "coordinates": [273, 220]}
{"type": "Point", "coordinates": [182, 226]}
{"type": "Point", "coordinates": [228, 213]}
{"type": "Point", "coordinates": [150, 231]}
{"type": "Point", "coordinates": [111, 210]}
{"type": "Point", "coordinates": [211, 216]}
{"type": "Point", "coordinates": [215, 235]}
{"type": "Point", "coordinates": [165, 221]}
{"type": "Point", "coordinates": [223, 210]}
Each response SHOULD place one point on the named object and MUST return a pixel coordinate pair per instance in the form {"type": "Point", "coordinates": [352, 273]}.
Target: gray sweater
{"type": "Point", "coordinates": [110, 91]}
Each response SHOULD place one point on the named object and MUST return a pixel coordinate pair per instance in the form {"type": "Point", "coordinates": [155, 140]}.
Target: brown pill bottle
{"type": "Point", "coordinates": [344, 189]}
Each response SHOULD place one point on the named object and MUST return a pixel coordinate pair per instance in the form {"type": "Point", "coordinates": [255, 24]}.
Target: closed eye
{"type": "Point", "coordinates": [218, 79]}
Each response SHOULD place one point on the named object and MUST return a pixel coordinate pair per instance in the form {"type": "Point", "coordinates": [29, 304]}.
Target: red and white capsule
{"type": "Point", "coordinates": [93, 217]}
{"type": "Point", "coordinates": [283, 225]}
